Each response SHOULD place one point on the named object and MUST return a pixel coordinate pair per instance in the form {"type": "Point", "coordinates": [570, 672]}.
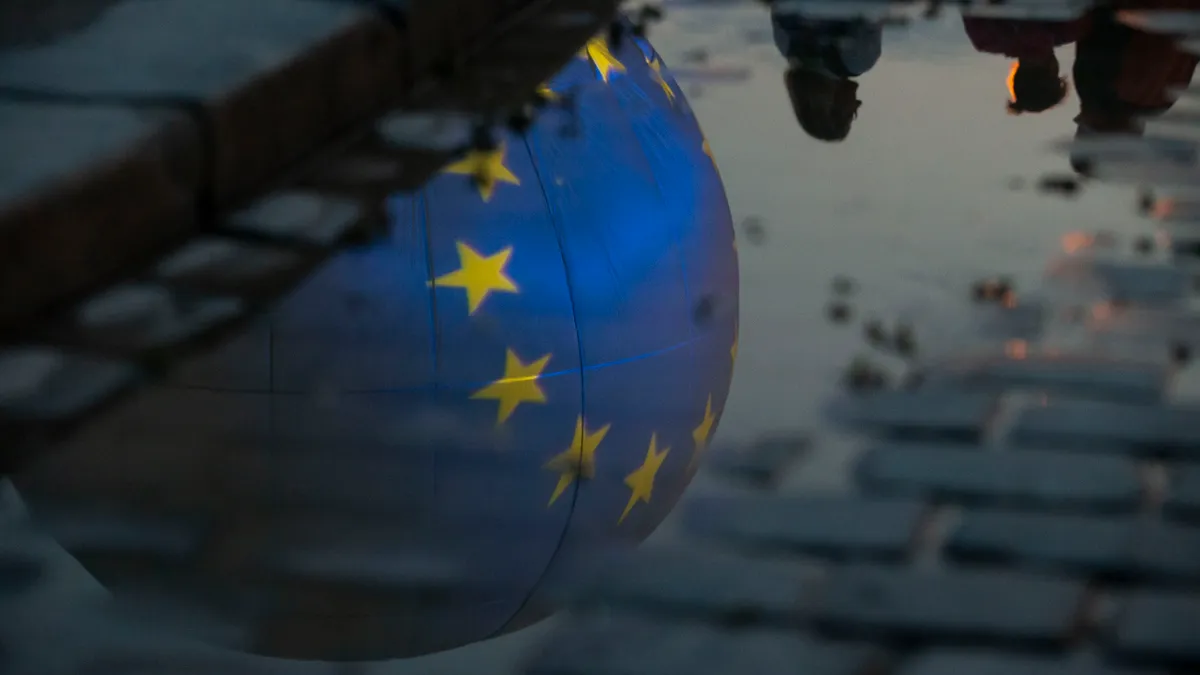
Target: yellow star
{"type": "Point", "coordinates": [487, 167]}
{"type": "Point", "coordinates": [578, 460]}
{"type": "Point", "coordinates": [518, 385]}
{"type": "Point", "coordinates": [597, 50]}
{"type": "Point", "coordinates": [701, 433]}
{"type": "Point", "coordinates": [641, 481]}
{"type": "Point", "coordinates": [708, 150]}
{"type": "Point", "coordinates": [656, 68]}
{"type": "Point", "coordinates": [479, 275]}
{"type": "Point", "coordinates": [547, 93]}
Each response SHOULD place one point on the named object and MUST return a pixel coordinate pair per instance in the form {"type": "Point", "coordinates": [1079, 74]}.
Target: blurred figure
{"type": "Point", "coordinates": [1123, 75]}
{"type": "Point", "coordinates": [1035, 83]}
{"type": "Point", "coordinates": [823, 58]}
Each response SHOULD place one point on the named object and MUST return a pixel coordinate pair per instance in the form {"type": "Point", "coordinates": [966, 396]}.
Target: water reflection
{"type": "Point", "coordinates": [1124, 75]}
{"type": "Point", "coordinates": [824, 56]}
{"type": "Point", "coordinates": [1035, 83]}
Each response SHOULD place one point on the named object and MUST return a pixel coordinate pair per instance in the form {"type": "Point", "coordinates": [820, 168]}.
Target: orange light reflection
{"type": "Point", "coordinates": [1016, 349]}
{"type": "Point", "coordinates": [1012, 76]}
{"type": "Point", "coordinates": [1074, 242]}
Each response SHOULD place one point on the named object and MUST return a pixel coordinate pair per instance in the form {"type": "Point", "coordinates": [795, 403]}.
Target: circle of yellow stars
{"type": "Point", "coordinates": [597, 51]}
{"type": "Point", "coordinates": [480, 276]}
{"type": "Point", "coordinates": [487, 168]}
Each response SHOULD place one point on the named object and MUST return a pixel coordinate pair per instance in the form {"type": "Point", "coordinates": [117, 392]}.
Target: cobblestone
{"type": "Point", "coordinates": [763, 462]}
{"type": "Point", "coordinates": [1183, 501]}
{"type": "Point", "coordinates": [636, 645]}
{"type": "Point", "coordinates": [40, 384]}
{"type": "Point", "coordinates": [298, 217]}
{"type": "Point", "coordinates": [1142, 430]}
{"type": "Point", "coordinates": [968, 662]}
{"type": "Point", "coordinates": [141, 317]}
{"type": "Point", "coordinates": [946, 416]}
{"type": "Point", "coordinates": [1143, 284]}
{"type": "Point", "coordinates": [700, 584]}
{"type": "Point", "coordinates": [1074, 544]}
{"type": "Point", "coordinates": [1082, 376]}
{"type": "Point", "coordinates": [921, 605]}
{"type": "Point", "coordinates": [1159, 627]}
{"type": "Point", "coordinates": [1019, 478]}
{"type": "Point", "coordinates": [53, 211]}
{"type": "Point", "coordinates": [835, 527]}
{"type": "Point", "coordinates": [1123, 548]}
{"type": "Point", "coordinates": [232, 62]}
{"type": "Point", "coordinates": [226, 266]}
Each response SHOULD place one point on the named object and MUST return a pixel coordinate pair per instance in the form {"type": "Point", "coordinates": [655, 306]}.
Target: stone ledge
{"type": "Point", "coordinates": [129, 138]}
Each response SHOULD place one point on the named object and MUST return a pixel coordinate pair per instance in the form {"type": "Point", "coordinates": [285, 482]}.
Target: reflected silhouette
{"type": "Point", "coordinates": [1035, 83]}
{"type": "Point", "coordinates": [823, 58]}
{"type": "Point", "coordinates": [1123, 74]}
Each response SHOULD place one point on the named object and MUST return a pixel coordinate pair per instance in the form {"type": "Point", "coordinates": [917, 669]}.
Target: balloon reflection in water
{"type": "Point", "coordinates": [403, 455]}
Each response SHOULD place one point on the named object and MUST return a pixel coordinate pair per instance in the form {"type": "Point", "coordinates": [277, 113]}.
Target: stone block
{"type": "Point", "coordinates": [1159, 627]}
{"type": "Point", "coordinates": [763, 462]}
{"type": "Point", "coordinates": [47, 385]}
{"type": "Point", "coordinates": [135, 318]}
{"type": "Point", "coordinates": [1168, 431]}
{"type": "Point", "coordinates": [937, 415]}
{"type": "Point", "coordinates": [1001, 608]}
{"type": "Point", "coordinates": [1126, 548]}
{"type": "Point", "coordinates": [298, 218]}
{"type": "Point", "coordinates": [941, 661]}
{"type": "Point", "coordinates": [1078, 376]}
{"type": "Point", "coordinates": [630, 644]}
{"type": "Point", "coordinates": [1183, 499]}
{"type": "Point", "coordinates": [699, 584]}
{"type": "Point", "coordinates": [1019, 478]}
{"type": "Point", "coordinates": [274, 79]}
{"type": "Point", "coordinates": [65, 224]}
{"type": "Point", "coordinates": [223, 266]}
{"type": "Point", "coordinates": [1082, 545]}
{"type": "Point", "coordinates": [838, 527]}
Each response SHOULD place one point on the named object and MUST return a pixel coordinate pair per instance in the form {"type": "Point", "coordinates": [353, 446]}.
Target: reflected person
{"type": "Point", "coordinates": [824, 56]}
{"type": "Point", "coordinates": [1035, 83]}
{"type": "Point", "coordinates": [1123, 75]}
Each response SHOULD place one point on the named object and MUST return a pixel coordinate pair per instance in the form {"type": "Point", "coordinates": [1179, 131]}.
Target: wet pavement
{"type": "Point", "coordinates": [1003, 517]}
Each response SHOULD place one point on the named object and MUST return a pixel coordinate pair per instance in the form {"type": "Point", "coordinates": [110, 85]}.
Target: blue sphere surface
{"type": "Point", "coordinates": [523, 375]}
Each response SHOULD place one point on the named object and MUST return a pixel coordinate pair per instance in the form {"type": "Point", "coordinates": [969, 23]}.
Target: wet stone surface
{"type": "Point", "coordinates": [1159, 627]}
{"type": "Point", "coordinates": [832, 527]}
{"type": "Point", "coordinates": [1018, 478]}
{"type": "Point", "coordinates": [1007, 608]}
{"type": "Point", "coordinates": [1128, 548]}
{"type": "Point", "coordinates": [979, 662]}
{"type": "Point", "coordinates": [1184, 499]}
{"type": "Point", "coordinates": [934, 415]}
{"type": "Point", "coordinates": [1168, 431]}
{"type": "Point", "coordinates": [988, 557]}
{"type": "Point", "coordinates": [691, 582]}
{"type": "Point", "coordinates": [763, 462]}
{"type": "Point", "coordinates": [1089, 378]}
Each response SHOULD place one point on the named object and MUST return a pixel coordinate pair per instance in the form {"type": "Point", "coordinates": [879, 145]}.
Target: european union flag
{"type": "Point", "coordinates": [584, 306]}
{"type": "Point", "coordinates": [525, 373]}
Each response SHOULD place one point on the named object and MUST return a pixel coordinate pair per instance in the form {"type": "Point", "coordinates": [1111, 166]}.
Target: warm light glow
{"type": "Point", "coordinates": [1016, 349]}
{"type": "Point", "coordinates": [1012, 76]}
{"type": "Point", "coordinates": [1074, 242]}
{"type": "Point", "coordinates": [1162, 208]}
{"type": "Point", "coordinates": [1102, 311]}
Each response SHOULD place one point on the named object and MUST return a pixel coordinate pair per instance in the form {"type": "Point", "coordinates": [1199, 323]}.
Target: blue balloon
{"type": "Point", "coordinates": [524, 375]}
